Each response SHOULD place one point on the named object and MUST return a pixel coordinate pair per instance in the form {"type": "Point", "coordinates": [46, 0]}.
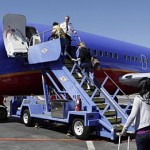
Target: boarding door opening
{"type": "Point", "coordinates": [144, 62]}
{"type": "Point", "coordinates": [14, 35]}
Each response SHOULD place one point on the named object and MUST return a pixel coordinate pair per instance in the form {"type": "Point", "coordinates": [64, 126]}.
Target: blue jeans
{"type": "Point", "coordinates": [86, 66]}
{"type": "Point", "coordinates": [143, 141]}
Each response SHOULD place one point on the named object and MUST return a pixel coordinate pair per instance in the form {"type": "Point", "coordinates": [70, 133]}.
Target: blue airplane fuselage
{"type": "Point", "coordinates": [116, 57]}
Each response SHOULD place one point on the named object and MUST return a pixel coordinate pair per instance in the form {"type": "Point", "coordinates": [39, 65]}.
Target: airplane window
{"type": "Point", "coordinates": [101, 53]}
{"type": "Point", "coordinates": [106, 54]}
{"type": "Point", "coordinates": [136, 58]}
{"type": "Point", "coordinates": [132, 58]}
{"type": "Point", "coordinates": [125, 57]}
{"type": "Point", "coordinates": [111, 55]}
{"type": "Point", "coordinates": [129, 58]}
{"type": "Point", "coordinates": [95, 52]}
{"type": "Point", "coordinates": [116, 55]}
{"type": "Point", "coordinates": [139, 59]}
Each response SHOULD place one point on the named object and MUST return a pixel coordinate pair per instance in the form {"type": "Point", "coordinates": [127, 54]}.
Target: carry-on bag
{"type": "Point", "coordinates": [128, 146]}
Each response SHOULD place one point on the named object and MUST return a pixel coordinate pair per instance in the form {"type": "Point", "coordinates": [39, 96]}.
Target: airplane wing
{"type": "Point", "coordinates": [132, 79]}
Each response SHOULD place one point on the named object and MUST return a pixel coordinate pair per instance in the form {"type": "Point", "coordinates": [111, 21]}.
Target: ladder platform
{"type": "Point", "coordinates": [44, 52]}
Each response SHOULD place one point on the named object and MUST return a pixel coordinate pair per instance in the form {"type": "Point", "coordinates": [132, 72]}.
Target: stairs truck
{"type": "Point", "coordinates": [85, 110]}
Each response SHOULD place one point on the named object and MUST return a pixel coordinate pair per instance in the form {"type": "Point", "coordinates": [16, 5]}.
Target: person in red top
{"type": "Point", "coordinates": [52, 96]}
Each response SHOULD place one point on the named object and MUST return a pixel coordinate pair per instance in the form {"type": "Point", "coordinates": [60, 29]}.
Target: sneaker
{"type": "Point", "coordinates": [68, 134]}
{"type": "Point", "coordinates": [79, 74]}
{"type": "Point", "coordinates": [36, 126]}
{"type": "Point", "coordinates": [87, 90]}
{"type": "Point", "coordinates": [88, 87]}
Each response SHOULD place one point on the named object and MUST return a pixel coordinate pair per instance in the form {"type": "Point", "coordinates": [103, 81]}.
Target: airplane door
{"type": "Point", "coordinates": [14, 35]}
{"type": "Point", "coordinates": [144, 62]}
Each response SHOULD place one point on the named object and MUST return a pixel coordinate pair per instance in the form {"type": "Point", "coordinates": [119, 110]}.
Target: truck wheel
{"type": "Point", "coordinates": [79, 130]}
{"type": "Point", "coordinates": [27, 120]}
{"type": "Point", "coordinates": [3, 113]}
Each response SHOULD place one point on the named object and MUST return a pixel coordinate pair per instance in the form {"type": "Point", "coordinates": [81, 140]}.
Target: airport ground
{"type": "Point", "coordinates": [16, 136]}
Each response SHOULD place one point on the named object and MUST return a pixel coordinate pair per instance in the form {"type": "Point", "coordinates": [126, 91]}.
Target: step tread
{"type": "Point", "coordinates": [109, 113]}
{"type": "Point", "coordinates": [113, 119]}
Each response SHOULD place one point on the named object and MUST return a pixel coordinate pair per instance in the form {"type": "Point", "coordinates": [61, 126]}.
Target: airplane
{"type": "Point", "coordinates": [117, 58]}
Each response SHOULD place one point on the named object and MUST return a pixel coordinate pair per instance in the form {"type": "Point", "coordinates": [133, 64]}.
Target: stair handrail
{"type": "Point", "coordinates": [113, 103]}
{"type": "Point", "coordinates": [116, 84]}
{"type": "Point", "coordinates": [98, 86]}
{"type": "Point", "coordinates": [42, 35]}
{"type": "Point", "coordinates": [103, 72]}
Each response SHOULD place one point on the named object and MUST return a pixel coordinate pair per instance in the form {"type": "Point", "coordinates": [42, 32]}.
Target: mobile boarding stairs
{"type": "Point", "coordinates": [98, 111]}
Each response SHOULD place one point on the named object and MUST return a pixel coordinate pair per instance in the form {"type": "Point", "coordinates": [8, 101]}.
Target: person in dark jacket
{"type": "Point", "coordinates": [84, 59]}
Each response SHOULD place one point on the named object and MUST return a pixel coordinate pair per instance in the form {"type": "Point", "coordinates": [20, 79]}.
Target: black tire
{"type": "Point", "coordinates": [79, 130]}
{"type": "Point", "coordinates": [27, 120]}
{"type": "Point", "coordinates": [3, 113]}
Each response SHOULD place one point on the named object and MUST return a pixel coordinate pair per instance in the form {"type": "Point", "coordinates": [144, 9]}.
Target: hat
{"type": "Point", "coordinates": [55, 23]}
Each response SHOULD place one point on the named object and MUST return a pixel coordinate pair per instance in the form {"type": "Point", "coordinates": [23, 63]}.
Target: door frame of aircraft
{"type": "Point", "coordinates": [144, 62]}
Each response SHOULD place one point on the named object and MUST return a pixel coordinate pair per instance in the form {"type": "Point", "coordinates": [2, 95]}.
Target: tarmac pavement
{"type": "Point", "coordinates": [16, 136]}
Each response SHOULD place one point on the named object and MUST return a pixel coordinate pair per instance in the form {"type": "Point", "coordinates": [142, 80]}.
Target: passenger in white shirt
{"type": "Point", "coordinates": [141, 114]}
{"type": "Point", "coordinates": [69, 30]}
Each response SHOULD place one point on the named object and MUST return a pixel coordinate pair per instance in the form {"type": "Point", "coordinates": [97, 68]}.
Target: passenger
{"type": "Point", "coordinates": [141, 113]}
{"type": "Point", "coordinates": [68, 29]}
{"type": "Point", "coordinates": [57, 32]}
{"type": "Point", "coordinates": [52, 95]}
{"type": "Point", "coordinates": [84, 57]}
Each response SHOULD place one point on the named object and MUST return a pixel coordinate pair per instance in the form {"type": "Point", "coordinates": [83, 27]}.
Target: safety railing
{"type": "Point", "coordinates": [118, 90]}
{"type": "Point", "coordinates": [41, 35]}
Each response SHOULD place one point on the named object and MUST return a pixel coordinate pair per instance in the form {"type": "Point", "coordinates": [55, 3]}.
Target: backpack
{"type": "Point", "coordinates": [95, 63]}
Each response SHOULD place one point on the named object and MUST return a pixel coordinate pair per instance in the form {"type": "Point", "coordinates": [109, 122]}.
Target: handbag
{"type": "Point", "coordinates": [128, 146]}
{"type": "Point", "coordinates": [95, 63]}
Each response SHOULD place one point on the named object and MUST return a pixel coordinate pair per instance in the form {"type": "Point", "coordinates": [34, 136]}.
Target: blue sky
{"type": "Point", "coordinates": [126, 20]}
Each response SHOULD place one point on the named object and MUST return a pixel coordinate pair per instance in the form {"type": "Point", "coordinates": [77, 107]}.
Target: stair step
{"type": "Point", "coordinates": [68, 61]}
{"type": "Point", "coordinates": [101, 105]}
{"type": "Point", "coordinates": [119, 127]}
{"type": "Point", "coordinates": [90, 92]}
{"type": "Point", "coordinates": [76, 76]}
{"type": "Point", "coordinates": [110, 113]}
{"type": "Point", "coordinates": [79, 80]}
{"type": "Point", "coordinates": [69, 66]}
{"type": "Point", "coordinates": [114, 120]}
{"type": "Point", "coordinates": [84, 86]}
{"type": "Point", "coordinates": [99, 99]}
